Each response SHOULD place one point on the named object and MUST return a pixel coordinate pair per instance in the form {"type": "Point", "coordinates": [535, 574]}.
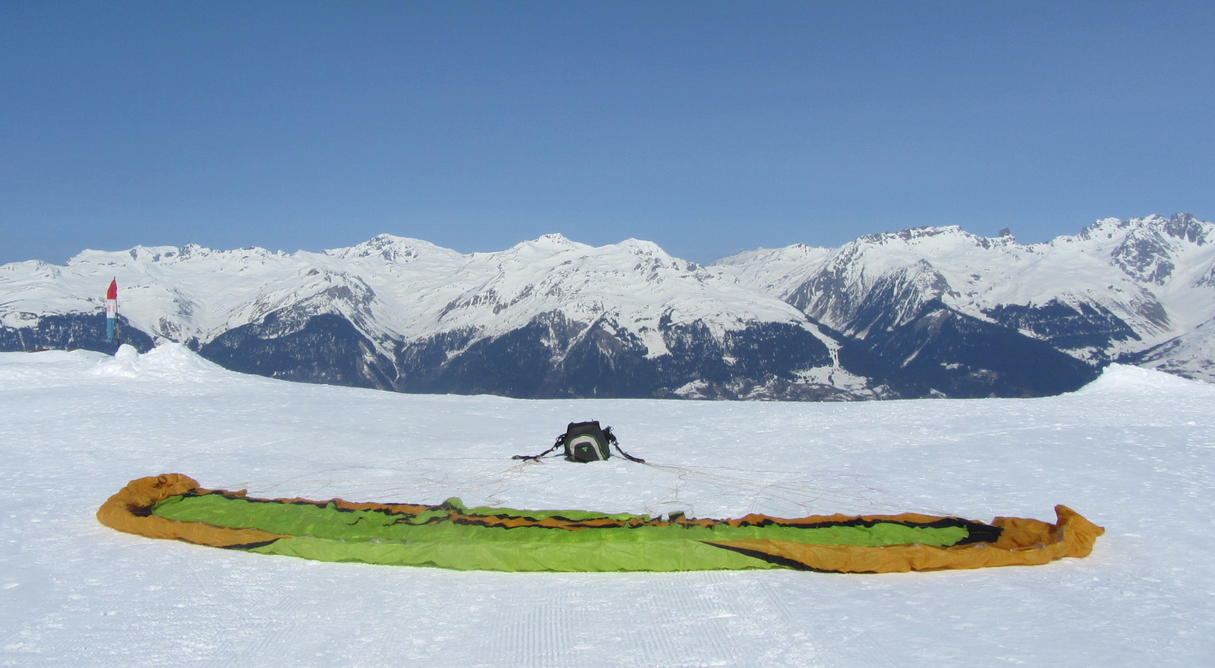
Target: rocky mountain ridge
{"type": "Point", "coordinates": [922, 312]}
{"type": "Point", "coordinates": [1116, 288]}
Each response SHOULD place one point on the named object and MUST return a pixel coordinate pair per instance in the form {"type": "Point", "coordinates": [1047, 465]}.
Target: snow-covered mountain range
{"type": "Point", "coordinates": [1123, 285]}
{"type": "Point", "coordinates": [922, 312]}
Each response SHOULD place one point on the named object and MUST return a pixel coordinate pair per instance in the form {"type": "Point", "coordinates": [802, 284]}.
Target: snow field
{"type": "Point", "coordinates": [1134, 452]}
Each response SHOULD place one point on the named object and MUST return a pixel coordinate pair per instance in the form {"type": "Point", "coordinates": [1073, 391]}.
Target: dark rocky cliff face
{"type": "Point", "coordinates": [1065, 326]}
{"type": "Point", "coordinates": [73, 331]}
{"type": "Point", "coordinates": [901, 334]}
{"type": "Point", "coordinates": [938, 353]}
{"type": "Point", "coordinates": [945, 353]}
{"type": "Point", "coordinates": [554, 357]}
{"type": "Point", "coordinates": [327, 349]}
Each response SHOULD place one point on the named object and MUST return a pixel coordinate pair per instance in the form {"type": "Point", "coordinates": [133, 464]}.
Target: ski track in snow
{"type": "Point", "coordinates": [1134, 452]}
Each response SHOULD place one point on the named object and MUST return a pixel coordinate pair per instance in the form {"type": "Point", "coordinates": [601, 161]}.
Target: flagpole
{"type": "Point", "coordinates": [112, 332]}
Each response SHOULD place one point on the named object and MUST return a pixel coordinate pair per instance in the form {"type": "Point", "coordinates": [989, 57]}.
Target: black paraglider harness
{"type": "Point", "coordinates": [585, 442]}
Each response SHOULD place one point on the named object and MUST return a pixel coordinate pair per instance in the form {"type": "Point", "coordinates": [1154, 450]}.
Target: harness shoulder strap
{"type": "Point", "coordinates": [607, 431]}
{"type": "Point", "coordinates": [560, 442]}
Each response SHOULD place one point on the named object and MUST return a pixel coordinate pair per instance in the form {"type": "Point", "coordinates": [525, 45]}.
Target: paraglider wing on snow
{"type": "Point", "coordinates": [450, 535]}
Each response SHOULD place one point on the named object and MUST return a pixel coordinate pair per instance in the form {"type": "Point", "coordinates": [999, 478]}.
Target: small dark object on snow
{"type": "Point", "coordinates": [585, 442]}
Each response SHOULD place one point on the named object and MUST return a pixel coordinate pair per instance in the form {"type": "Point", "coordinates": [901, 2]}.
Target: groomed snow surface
{"type": "Point", "coordinates": [1134, 452]}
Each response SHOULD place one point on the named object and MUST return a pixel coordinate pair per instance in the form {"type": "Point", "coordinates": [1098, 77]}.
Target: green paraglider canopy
{"type": "Point", "coordinates": [450, 535]}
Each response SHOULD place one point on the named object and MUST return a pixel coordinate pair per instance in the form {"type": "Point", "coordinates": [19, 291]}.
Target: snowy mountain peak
{"type": "Point", "coordinates": [391, 248]}
{"type": "Point", "coordinates": [1127, 284]}
{"type": "Point", "coordinates": [642, 247]}
{"type": "Point", "coordinates": [911, 233]}
{"type": "Point", "coordinates": [155, 255]}
{"type": "Point", "coordinates": [1186, 226]}
{"type": "Point", "coordinates": [1149, 249]}
{"type": "Point", "coordinates": [544, 246]}
{"type": "Point", "coordinates": [418, 316]}
{"type": "Point", "coordinates": [940, 238]}
{"type": "Point", "coordinates": [136, 254]}
{"type": "Point", "coordinates": [1181, 226]}
{"type": "Point", "coordinates": [30, 267]}
{"type": "Point", "coordinates": [555, 239]}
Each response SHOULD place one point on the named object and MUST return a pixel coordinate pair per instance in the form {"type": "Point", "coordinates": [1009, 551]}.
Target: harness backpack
{"type": "Point", "coordinates": [585, 442]}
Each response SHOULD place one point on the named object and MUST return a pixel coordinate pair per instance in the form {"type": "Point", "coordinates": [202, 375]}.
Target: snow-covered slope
{"type": "Point", "coordinates": [397, 286]}
{"type": "Point", "coordinates": [1191, 355]}
{"type": "Point", "coordinates": [409, 310]}
{"type": "Point", "coordinates": [923, 312]}
{"type": "Point", "coordinates": [777, 271]}
{"type": "Point", "coordinates": [1119, 286]}
{"type": "Point", "coordinates": [1132, 452]}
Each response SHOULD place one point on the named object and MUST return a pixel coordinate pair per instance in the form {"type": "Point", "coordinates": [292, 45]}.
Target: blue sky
{"type": "Point", "coordinates": [708, 127]}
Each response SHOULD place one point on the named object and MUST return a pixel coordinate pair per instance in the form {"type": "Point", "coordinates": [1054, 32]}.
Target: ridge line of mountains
{"type": "Point", "coordinates": [924, 312]}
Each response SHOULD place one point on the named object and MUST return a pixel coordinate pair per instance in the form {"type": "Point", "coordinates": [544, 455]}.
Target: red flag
{"type": "Point", "coordinates": [112, 293]}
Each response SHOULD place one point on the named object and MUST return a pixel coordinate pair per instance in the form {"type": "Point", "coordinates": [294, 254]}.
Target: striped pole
{"type": "Point", "coordinates": [111, 311]}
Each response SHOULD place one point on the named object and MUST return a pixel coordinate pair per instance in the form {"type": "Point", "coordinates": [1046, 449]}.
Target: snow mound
{"type": "Point", "coordinates": [1123, 379]}
{"type": "Point", "coordinates": [167, 361]}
